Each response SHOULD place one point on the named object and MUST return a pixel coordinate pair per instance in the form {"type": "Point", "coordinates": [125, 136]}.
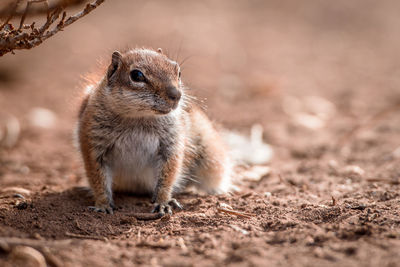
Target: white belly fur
{"type": "Point", "coordinates": [133, 163]}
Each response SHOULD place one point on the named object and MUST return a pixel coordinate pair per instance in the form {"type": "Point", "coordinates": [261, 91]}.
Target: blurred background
{"type": "Point", "coordinates": [306, 71]}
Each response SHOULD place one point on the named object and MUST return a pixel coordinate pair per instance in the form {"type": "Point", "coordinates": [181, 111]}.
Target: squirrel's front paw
{"type": "Point", "coordinates": [166, 207]}
{"type": "Point", "coordinates": [105, 208]}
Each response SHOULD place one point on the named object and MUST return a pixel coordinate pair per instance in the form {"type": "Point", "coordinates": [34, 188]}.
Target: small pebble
{"type": "Point", "coordinates": [4, 247]}
{"type": "Point", "coordinates": [225, 206]}
{"type": "Point", "coordinates": [267, 194]}
{"type": "Point", "coordinates": [37, 236]}
{"type": "Point", "coordinates": [333, 164]}
{"type": "Point", "coordinates": [27, 256]}
{"type": "Point", "coordinates": [353, 169]}
{"type": "Point", "coordinates": [309, 121]}
{"type": "Point", "coordinates": [41, 117]}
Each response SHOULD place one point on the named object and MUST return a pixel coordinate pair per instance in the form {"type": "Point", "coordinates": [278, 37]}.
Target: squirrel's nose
{"type": "Point", "coordinates": [173, 93]}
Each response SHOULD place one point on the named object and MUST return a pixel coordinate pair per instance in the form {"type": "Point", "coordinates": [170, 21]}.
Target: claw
{"type": "Point", "coordinates": [168, 209]}
{"type": "Point", "coordinates": [175, 204]}
{"type": "Point", "coordinates": [163, 208]}
{"type": "Point", "coordinates": [156, 209]}
{"type": "Point", "coordinates": [103, 209]}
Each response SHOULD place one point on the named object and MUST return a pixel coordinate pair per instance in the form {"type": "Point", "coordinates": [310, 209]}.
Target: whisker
{"type": "Point", "coordinates": [179, 51]}
{"type": "Point", "coordinates": [184, 60]}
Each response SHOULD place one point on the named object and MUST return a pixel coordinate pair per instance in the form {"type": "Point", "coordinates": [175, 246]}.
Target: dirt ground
{"type": "Point", "coordinates": [321, 77]}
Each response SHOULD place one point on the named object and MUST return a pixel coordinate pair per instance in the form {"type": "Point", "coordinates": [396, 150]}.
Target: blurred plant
{"type": "Point", "coordinates": [27, 36]}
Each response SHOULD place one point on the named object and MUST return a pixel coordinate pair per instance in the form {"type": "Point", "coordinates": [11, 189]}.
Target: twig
{"type": "Point", "coordinates": [237, 213]}
{"type": "Point", "coordinates": [28, 5]}
{"type": "Point", "coordinates": [14, 39]}
{"type": "Point", "coordinates": [86, 236]}
{"type": "Point", "coordinates": [247, 195]}
{"type": "Point", "coordinates": [40, 10]}
{"type": "Point", "coordinates": [11, 13]}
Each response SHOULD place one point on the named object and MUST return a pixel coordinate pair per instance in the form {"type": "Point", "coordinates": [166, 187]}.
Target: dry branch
{"type": "Point", "coordinates": [29, 36]}
{"type": "Point", "coordinates": [38, 9]}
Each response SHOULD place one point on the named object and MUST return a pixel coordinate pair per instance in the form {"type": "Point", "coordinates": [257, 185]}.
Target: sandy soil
{"type": "Point", "coordinates": [322, 78]}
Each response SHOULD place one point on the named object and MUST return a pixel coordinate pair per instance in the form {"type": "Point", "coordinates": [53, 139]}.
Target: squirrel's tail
{"type": "Point", "coordinates": [249, 154]}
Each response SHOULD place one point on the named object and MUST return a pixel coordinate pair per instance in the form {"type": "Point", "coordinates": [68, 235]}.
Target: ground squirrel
{"type": "Point", "coordinates": [139, 132]}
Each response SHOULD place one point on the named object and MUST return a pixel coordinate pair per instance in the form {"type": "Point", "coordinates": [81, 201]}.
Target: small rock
{"type": "Point", "coordinates": [27, 256]}
{"type": "Point", "coordinates": [41, 117]}
{"type": "Point", "coordinates": [182, 244]}
{"type": "Point", "coordinates": [354, 170]}
{"type": "Point", "coordinates": [333, 164]}
{"type": "Point", "coordinates": [18, 196]}
{"type": "Point", "coordinates": [225, 206]}
{"type": "Point", "coordinates": [309, 121]}
{"type": "Point", "coordinates": [320, 107]}
{"type": "Point", "coordinates": [4, 246]}
{"type": "Point", "coordinates": [267, 194]}
{"type": "Point", "coordinates": [37, 236]}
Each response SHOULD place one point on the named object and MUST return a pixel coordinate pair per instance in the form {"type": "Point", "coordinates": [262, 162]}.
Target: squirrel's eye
{"type": "Point", "coordinates": [179, 74]}
{"type": "Point", "coordinates": [137, 76]}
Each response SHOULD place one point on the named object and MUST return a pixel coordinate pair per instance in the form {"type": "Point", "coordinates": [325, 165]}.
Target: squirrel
{"type": "Point", "coordinates": [140, 132]}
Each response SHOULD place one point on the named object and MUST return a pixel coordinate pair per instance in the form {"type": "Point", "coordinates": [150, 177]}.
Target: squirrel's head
{"type": "Point", "coordinates": [143, 82]}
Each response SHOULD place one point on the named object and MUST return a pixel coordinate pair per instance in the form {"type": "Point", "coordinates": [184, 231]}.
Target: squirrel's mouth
{"type": "Point", "coordinates": [162, 111]}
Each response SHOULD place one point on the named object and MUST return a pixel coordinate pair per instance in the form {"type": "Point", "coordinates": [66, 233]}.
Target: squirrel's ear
{"type": "Point", "coordinates": [116, 60]}
{"type": "Point", "coordinates": [159, 50]}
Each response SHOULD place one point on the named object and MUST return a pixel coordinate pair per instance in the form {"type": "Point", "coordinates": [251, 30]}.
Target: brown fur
{"type": "Point", "coordinates": [138, 136]}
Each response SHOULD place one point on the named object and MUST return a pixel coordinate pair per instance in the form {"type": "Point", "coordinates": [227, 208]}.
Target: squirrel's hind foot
{"type": "Point", "coordinates": [105, 208]}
